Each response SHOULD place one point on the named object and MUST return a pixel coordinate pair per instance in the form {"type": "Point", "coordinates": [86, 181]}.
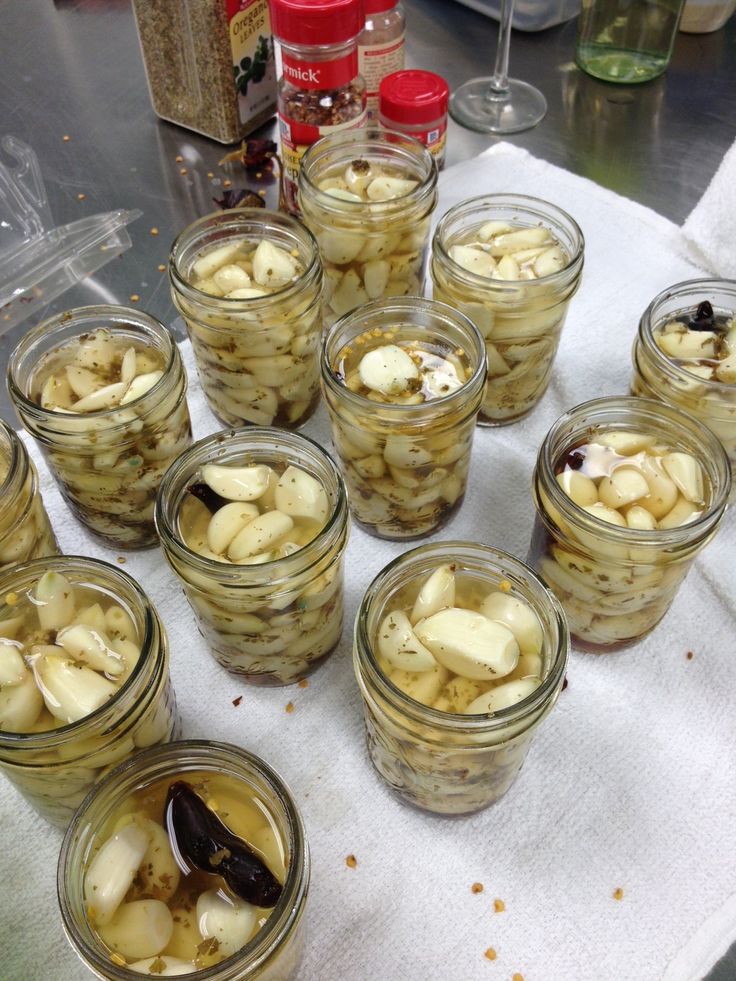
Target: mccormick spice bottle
{"type": "Point", "coordinates": [415, 103]}
{"type": "Point", "coordinates": [320, 89]}
{"type": "Point", "coordinates": [380, 47]}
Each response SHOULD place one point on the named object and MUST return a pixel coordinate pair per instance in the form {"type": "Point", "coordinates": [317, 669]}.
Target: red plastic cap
{"type": "Point", "coordinates": [378, 6]}
{"type": "Point", "coordinates": [413, 96]}
{"type": "Point", "coordinates": [317, 21]}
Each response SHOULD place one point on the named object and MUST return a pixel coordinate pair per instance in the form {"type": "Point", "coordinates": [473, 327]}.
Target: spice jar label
{"type": "Point", "coordinates": [375, 61]}
{"type": "Point", "coordinates": [254, 68]}
{"type": "Point", "coordinates": [332, 74]}
{"type": "Point", "coordinates": [296, 139]}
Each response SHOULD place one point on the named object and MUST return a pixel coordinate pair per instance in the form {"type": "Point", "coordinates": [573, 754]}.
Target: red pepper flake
{"type": "Point", "coordinates": [227, 183]}
{"type": "Point", "coordinates": [304, 683]}
{"type": "Point", "coordinates": [81, 197]}
{"type": "Point", "coordinates": [689, 655]}
{"type": "Point", "coordinates": [289, 707]}
{"type": "Point", "coordinates": [490, 954]}
{"type": "Point", "coordinates": [564, 683]}
{"type": "Point", "coordinates": [477, 887]}
{"type": "Point", "coordinates": [505, 586]}
{"type": "Point", "coordinates": [237, 701]}
{"type": "Point", "coordinates": [351, 861]}
{"type": "Point", "coordinates": [618, 894]}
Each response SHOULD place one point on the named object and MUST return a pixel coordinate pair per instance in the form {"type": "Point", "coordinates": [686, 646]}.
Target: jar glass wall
{"type": "Point", "coordinates": [118, 709]}
{"type": "Point", "coordinates": [443, 761]}
{"type": "Point", "coordinates": [617, 580]}
{"type": "Point", "coordinates": [274, 621]}
{"type": "Point", "coordinates": [108, 424]}
{"type": "Point", "coordinates": [274, 953]}
{"type": "Point", "coordinates": [519, 309]}
{"type": "Point", "coordinates": [405, 463]}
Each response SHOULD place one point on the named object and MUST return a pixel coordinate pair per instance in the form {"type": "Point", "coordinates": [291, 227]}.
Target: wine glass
{"type": "Point", "coordinates": [498, 104]}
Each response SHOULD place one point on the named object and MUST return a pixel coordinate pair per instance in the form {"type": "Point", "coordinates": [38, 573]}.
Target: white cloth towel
{"type": "Point", "coordinates": [631, 782]}
{"type": "Point", "coordinates": [710, 228]}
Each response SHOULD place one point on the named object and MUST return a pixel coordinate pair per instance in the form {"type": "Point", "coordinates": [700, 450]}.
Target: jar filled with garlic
{"type": "Point", "coordinates": [685, 355]}
{"type": "Point", "coordinates": [25, 530]}
{"type": "Point", "coordinates": [403, 380]}
{"type": "Point", "coordinates": [103, 391]}
{"type": "Point", "coordinates": [248, 283]}
{"type": "Point", "coordinates": [254, 522]}
{"type": "Point", "coordinates": [368, 197]}
{"type": "Point", "coordinates": [84, 678]}
{"type": "Point", "coordinates": [190, 859]}
{"type": "Point", "coordinates": [627, 492]}
{"type": "Point", "coordinates": [512, 264]}
{"type": "Point", "coordinates": [460, 653]}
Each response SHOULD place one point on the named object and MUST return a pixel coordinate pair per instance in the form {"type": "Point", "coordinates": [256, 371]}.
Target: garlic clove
{"type": "Point", "coordinates": [503, 696]}
{"type": "Point", "coordinates": [469, 644]}
{"type": "Point", "coordinates": [90, 647]}
{"type": "Point", "coordinates": [300, 495]}
{"type": "Point", "coordinates": [231, 922]}
{"type": "Point", "coordinates": [13, 668]}
{"type": "Point", "coordinates": [437, 593]}
{"type": "Point", "coordinates": [388, 369]}
{"type": "Point", "coordinates": [139, 929]}
{"type": "Point", "coordinates": [20, 705]}
{"type": "Point", "coordinates": [141, 385]}
{"type": "Point", "coordinates": [518, 616]}
{"type": "Point", "coordinates": [54, 601]}
{"type": "Point", "coordinates": [687, 475]}
{"type": "Point", "coordinates": [71, 691]}
{"type": "Point", "coordinates": [237, 483]}
{"type": "Point", "coordinates": [272, 266]}
{"type": "Point", "coordinates": [400, 646]}
{"type": "Point", "coordinates": [111, 873]}
{"type": "Point", "coordinates": [260, 535]}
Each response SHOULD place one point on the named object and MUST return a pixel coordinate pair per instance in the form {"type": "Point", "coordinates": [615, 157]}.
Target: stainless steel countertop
{"type": "Point", "coordinates": [73, 67]}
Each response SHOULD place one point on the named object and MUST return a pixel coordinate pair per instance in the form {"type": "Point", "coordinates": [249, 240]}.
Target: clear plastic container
{"type": "Point", "coordinates": [704, 16]}
{"type": "Point", "coordinates": [275, 951]}
{"type": "Point", "coordinates": [443, 761]}
{"type": "Point", "coordinates": [25, 529]}
{"type": "Point", "coordinates": [256, 357]}
{"type": "Point", "coordinates": [406, 466]}
{"type": "Point", "coordinates": [108, 462]}
{"type": "Point", "coordinates": [530, 15]}
{"type": "Point", "coordinates": [616, 583]}
{"type": "Point", "coordinates": [658, 376]}
{"type": "Point", "coordinates": [55, 768]}
{"type": "Point", "coordinates": [274, 622]}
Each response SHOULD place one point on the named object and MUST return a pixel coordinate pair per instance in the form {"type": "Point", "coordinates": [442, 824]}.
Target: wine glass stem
{"type": "Point", "coordinates": [500, 80]}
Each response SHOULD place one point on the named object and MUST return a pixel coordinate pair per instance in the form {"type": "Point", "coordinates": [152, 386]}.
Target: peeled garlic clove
{"type": "Point", "coordinates": [680, 514]}
{"type": "Point", "coordinates": [469, 644]}
{"type": "Point", "coordinates": [139, 929]}
{"type": "Point", "coordinates": [54, 601]}
{"type": "Point", "coordinates": [579, 488]}
{"type": "Point", "coordinates": [518, 616]}
{"type": "Point", "coordinates": [507, 268]}
{"type": "Point", "coordinates": [402, 451]}
{"type": "Point", "coordinates": [163, 967]}
{"type": "Point", "coordinates": [227, 522]}
{"type": "Point", "coordinates": [641, 519]}
{"type": "Point", "coordinates": [375, 278]}
{"type": "Point", "coordinates": [387, 369]}
{"type": "Point", "coordinates": [90, 647]}
{"type": "Point", "coordinates": [687, 474]}
{"type": "Point", "coordinates": [111, 873]}
{"type": "Point", "coordinates": [230, 922]}
{"type": "Point", "coordinates": [12, 666]}
{"type": "Point", "coordinates": [459, 693]}
{"type": "Point", "coordinates": [20, 705]}
{"type": "Point", "coordinates": [441, 381]}
{"type": "Point", "coordinates": [400, 646]}
{"type": "Point", "coordinates": [82, 381]}
{"type": "Point", "coordinates": [260, 535]}
{"type": "Point", "coordinates": [103, 398]}
{"type": "Point", "coordinates": [342, 195]}
{"type": "Point", "coordinates": [522, 238]}
{"type": "Point", "coordinates": [358, 176]}
{"type": "Point", "coordinates": [388, 188]}
{"type": "Point", "coordinates": [245, 293]}
{"type": "Point", "coordinates": [625, 486]}
{"type": "Point", "coordinates": [725, 370]}
{"type": "Point", "coordinates": [92, 616]}
{"type": "Point", "coordinates": [625, 443]}
{"type": "Point", "coordinates": [158, 874]}
{"type": "Point", "coordinates": [231, 277]}
{"type": "Point", "coordinates": [662, 495]}
{"type": "Point", "coordinates": [119, 623]}
{"type": "Point", "coordinates": [236, 483]}
{"type": "Point", "coordinates": [604, 513]}
{"type": "Point", "coordinates": [502, 696]}
{"type": "Point", "coordinates": [140, 385]}
{"type": "Point", "coordinates": [208, 264]}
{"type": "Point", "coordinates": [476, 261]}
{"type": "Point", "coordinates": [128, 366]}
{"type": "Point", "coordinates": [436, 594]}
{"type": "Point", "coordinates": [424, 686]}
{"type": "Point", "coordinates": [551, 261]}
{"type": "Point", "coordinates": [71, 691]}
{"type": "Point", "coordinates": [489, 229]}
{"type": "Point", "coordinates": [300, 495]}
{"type": "Point", "coordinates": [272, 266]}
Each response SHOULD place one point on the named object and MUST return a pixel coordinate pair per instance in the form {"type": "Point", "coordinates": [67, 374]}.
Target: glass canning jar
{"type": "Point", "coordinates": [406, 466]}
{"type": "Point", "coordinates": [275, 952]}
{"type": "Point", "coordinates": [443, 761]}
{"type": "Point", "coordinates": [275, 622]}
{"type": "Point", "coordinates": [370, 248]}
{"type": "Point", "coordinates": [25, 529]}
{"type": "Point", "coordinates": [616, 583]}
{"type": "Point", "coordinates": [55, 768]}
{"type": "Point", "coordinates": [108, 463]}
{"type": "Point", "coordinates": [521, 320]}
{"type": "Point", "coordinates": [657, 375]}
{"type": "Point", "coordinates": [256, 356]}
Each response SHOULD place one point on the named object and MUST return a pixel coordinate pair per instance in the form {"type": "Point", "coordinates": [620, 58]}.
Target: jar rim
{"type": "Point", "coordinates": [190, 236]}
{"type": "Point", "coordinates": [17, 456]}
{"type": "Point", "coordinates": [119, 317]}
{"type": "Point", "coordinates": [417, 712]}
{"type": "Point", "coordinates": [527, 204]}
{"type": "Point", "coordinates": [279, 570]}
{"type": "Point", "coordinates": [401, 145]}
{"type": "Point", "coordinates": [81, 564]}
{"type": "Point", "coordinates": [399, 306]}
{"type": "Point", "coordinates": [159, 761]}
{"type": "Point", "coordinates": [659, 414]}
{"type": "Point", "coordinates": [651, 317]}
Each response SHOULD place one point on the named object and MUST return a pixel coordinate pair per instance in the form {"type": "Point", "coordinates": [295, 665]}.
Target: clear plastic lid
{"type": "Point", "coordinates": [38, 261]}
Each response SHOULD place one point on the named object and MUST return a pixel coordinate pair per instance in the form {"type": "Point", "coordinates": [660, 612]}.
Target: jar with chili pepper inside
{"type": "Point", "coordinates": [320, 89]}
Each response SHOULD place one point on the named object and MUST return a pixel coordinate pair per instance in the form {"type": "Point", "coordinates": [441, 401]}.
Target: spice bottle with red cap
{"type": "Point", "coordinates": [320, 89]}
{"type": "Point", "coordinates": [415, 102]}
{"type": "Point", "coordinates": [380, 47]}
